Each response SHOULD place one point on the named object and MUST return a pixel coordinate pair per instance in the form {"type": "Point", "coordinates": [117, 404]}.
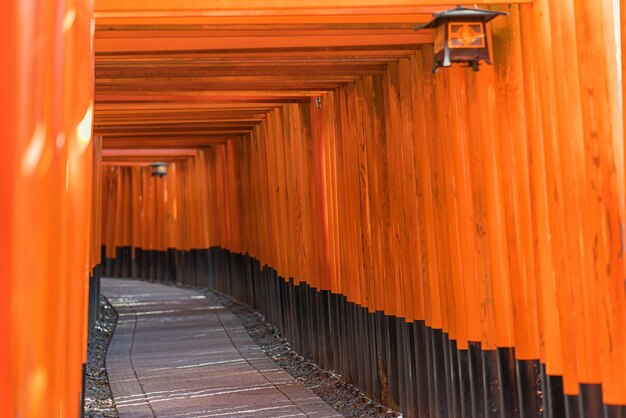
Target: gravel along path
{"type": "Point", "coordinates": [99, 401]}
{"type": "Point", "coordinates": [343, 397]}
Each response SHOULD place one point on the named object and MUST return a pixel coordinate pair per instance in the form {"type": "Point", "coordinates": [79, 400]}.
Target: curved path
{"type": "Point", "coordinates": [179, 353]}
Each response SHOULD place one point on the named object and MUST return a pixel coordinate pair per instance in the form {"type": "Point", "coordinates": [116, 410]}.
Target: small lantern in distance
{"type": "Point", "coordinates": [461, 36]}
{"type": "Point", "coordinates": [159, 169]}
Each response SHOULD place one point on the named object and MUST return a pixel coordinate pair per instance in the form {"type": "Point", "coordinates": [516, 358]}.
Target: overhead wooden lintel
{"type": "Point", "coordinates": [119, 45]}
{"type": "Point", "coordinates": [281, 7]}
{"type": "Point", "coordinates": [174, 143]}
{"type": "Point", "coordinates": [152, 152]}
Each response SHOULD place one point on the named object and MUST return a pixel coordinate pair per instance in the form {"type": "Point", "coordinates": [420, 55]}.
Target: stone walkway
{"type": "Point", "coordinates": [179, 353]}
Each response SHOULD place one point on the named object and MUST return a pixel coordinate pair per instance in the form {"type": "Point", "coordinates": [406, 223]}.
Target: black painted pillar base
{"type": "Point", "coordinates": [407, 366]}
{"type": "Point", "coordinates": [93, 311]}
{"type": "Point", "coordinates": [553, 397]}
{"type": "Point", "coordinates": [528, 386]}
{"type": "Point", "coordinates": [590, 401]}
{"type": "Point", "coordinates": [82, 391]}
{"type": "Point", "coordinates": [614, 411]}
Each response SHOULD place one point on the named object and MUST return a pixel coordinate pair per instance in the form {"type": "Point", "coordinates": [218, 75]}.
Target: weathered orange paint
{"type": "Point", "coordinates": [47, 146]}
{"type": "Point", "coordinates": [9, 128]}
{"type": "Point", "coordinates": [278, 7]}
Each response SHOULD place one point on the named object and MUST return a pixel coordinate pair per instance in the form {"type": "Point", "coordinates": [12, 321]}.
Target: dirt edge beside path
{"type": "Point", "coordinates": [99, 402]}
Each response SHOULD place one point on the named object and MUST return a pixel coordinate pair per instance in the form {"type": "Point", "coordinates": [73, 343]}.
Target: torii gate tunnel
{"type": "Point", "coordinates": [451, 243]}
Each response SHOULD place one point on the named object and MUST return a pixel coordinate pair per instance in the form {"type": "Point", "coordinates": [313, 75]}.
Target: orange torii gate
{"type": "Point", "coordinates": [311, 152]}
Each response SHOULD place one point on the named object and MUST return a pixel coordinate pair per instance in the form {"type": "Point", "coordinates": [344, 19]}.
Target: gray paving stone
{"type": "Point", "coordinates": [178, 353]}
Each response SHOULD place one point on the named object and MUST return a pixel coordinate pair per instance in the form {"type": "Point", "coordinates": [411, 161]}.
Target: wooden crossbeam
{"type": "Point", "coordinates": [187, 74]}
{"type": "Point", "coordinates": [282, 7]}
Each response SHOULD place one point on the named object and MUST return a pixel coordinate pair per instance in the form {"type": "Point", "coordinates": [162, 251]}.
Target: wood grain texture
{"type": "Point", "coordinates": [489, 205]}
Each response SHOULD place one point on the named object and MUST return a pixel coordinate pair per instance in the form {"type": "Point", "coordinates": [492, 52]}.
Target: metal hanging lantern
{"type": "Point", "coordinates": [461, 36]}
{"type": "Point", "coordinates": [159, 169]}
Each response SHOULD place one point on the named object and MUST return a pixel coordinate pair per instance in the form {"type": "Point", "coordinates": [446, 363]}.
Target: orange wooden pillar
{"type": "Point", "coordinates": [424, 137]}
{"type": "Point", "coordinates": [95, 252]}
{"type": "Point", "coordinates": [580, 142]}
{"type": "Point", "coordinates": [49, 102]}
{"type": "Point", "coordinates": [78, 109]}
{"type": "Point", "coordinates": [9, 160]}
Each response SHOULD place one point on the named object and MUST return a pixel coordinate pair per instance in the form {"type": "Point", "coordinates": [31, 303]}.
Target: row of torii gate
{"type": "Point", "coordinates": [309, 147]}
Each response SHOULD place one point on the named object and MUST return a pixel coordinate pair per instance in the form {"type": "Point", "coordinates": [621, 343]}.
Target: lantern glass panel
{"type": "Point", "coordinates": [466, 35]}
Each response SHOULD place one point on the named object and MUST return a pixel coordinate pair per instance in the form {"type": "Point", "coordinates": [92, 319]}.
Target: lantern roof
{"type": "Point", "coordinates": [460, 13]}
